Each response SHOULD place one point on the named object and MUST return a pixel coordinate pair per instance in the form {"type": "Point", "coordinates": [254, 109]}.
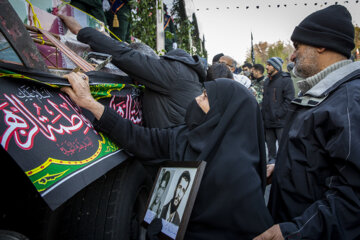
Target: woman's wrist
{"type": "Point", "coordinates": [97, 109]}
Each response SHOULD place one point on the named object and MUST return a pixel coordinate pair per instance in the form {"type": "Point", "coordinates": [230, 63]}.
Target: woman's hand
{"type": "Point", "coordinates": [80, 93]}
{"type": "Point", "coordinates": [269, 172]}
{"type": "Point", "coordinates": [273, 233]}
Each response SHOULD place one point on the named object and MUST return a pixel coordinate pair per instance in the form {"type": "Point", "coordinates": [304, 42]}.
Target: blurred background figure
{"type": "Point", "coordinates": [278, 93]}
{"type": "Point", "coordinates": [231, 64]}
{"type": "Point", "coordinates": [257, 83]}
{"type": "Point", "coordinates": [218, 70]}
{"type": "Point", "coordinates": [246, 69]}
{"type": "Point", "coordinates": [118, 18]}
{"type": "Point", "coordinates": [170, 31]}
{"type": "Point", "coordinates": [217, 57]}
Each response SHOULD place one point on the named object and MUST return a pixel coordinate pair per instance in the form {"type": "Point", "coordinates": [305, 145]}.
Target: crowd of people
{"type": "Point", "coordinates": [228, 117]}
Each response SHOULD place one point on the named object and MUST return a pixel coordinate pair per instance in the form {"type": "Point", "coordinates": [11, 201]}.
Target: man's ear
{"type": "Point", "coordinates": [320, 49]}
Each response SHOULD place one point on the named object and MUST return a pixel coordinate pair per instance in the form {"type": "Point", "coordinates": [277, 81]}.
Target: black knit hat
{"type": "Point", "coordinates": [329, 28]}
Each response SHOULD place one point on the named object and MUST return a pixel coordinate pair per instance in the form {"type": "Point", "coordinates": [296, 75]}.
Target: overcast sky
{"type": "Point", "coordinates": [228, 28]}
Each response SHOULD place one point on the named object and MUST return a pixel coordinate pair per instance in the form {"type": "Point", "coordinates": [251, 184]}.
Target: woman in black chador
{"type": "Point", "coordinates": [224, 128]}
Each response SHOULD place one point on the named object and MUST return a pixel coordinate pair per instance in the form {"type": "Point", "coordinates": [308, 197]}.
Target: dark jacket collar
{"type": "Point", "coordinates": [334, 79]}
{"type": "Point", "coordinates": [276, 76]}
{"type": "Point", "coordinates": [330, 83]}
{"type": "Point", "coordinates": [259, 79]}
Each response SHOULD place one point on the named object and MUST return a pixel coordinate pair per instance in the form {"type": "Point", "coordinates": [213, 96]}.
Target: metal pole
{"type": "Point", "coordinates": [160, 36]}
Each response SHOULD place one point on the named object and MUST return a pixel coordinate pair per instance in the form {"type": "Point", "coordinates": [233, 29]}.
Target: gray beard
{"type": "Point", "coordinates": [310, 69]}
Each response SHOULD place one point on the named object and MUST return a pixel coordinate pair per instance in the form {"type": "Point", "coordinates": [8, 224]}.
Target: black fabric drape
{"type": "Point", "coordinates": [171, 81]}
{"type": "Point", "coordinates": [230, 202]}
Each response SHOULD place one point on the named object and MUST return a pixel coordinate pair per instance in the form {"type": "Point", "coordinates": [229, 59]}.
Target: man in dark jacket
{"type": "Point", "coordinates": [171, 81]}
{"type": "Point", "coordinates": [278, 92]}
{"type": "Point", "coordinates": [316, 184]}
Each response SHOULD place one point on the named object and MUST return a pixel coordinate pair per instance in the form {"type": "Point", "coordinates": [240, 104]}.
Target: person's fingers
{"type": "Point", "coordinates": [268, 173]}
{"type": "Point", "coordinates": [75, 79]}
{"type": "Point", "coordinates": [264, 236]}
{"type": "Point", "coordinates": [82, 80]}
{"type": "Point", "coordinates": [269, 169]}
{"type": "Point", "coordinates": [69, 91]}
{"type": "Point", "coordinates": [71, 78]}
{"type": "Point", "coordinates": [83, 76]}
{"type": "Point", "coordinates": [80, 88]}
{"type": "Point", "coordinates": [273, 233]}
{"type": "Point", "coordinates": [260, 237]}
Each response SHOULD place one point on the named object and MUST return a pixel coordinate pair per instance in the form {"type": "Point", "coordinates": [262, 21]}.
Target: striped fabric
{"type": "Point", "coordinates": [276, 62]}
{"type": "Point", "coordinates": [81, 63]}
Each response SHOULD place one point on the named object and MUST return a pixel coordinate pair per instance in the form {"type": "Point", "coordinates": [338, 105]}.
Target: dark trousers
{"type": "Point", "coordinates": [271, 135]}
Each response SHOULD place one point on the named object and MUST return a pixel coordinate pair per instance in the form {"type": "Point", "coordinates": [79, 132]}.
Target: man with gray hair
{"type": "Point", "coordinates": [231, 64]}
{"type": "Point", "coordinates": [315, 190]}
{"type": "Point", "coordinates": [278, 93]}
{"type": "Point", "coordinates": [218, 70]}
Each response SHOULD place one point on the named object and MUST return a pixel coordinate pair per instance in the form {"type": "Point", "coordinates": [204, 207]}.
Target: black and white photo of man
{"type": "Point", "coordinates": [156, 203]}
{"type": "Point", "coordinates": [169, 211]}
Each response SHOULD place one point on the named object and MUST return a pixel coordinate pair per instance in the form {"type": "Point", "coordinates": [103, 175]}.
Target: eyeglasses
{"type": "Point", "coordinates": [226, 64]}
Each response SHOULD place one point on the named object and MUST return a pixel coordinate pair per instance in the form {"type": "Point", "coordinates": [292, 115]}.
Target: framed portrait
{"type": "Point", "coordinates": [173, 196]}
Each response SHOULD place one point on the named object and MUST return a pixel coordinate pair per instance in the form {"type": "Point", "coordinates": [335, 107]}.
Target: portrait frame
{"type": "Point", "coordinates": [171, 188]}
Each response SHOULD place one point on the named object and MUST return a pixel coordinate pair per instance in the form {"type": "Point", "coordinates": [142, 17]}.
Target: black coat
{"type": "Point", "coordinates": [278, 93]}
{"type": "Point", "coordinates": [171, 82]}
{"type": "Point", "coordinates": [316, 183]}
{"type": "Point", "coordinates": [230, 202]}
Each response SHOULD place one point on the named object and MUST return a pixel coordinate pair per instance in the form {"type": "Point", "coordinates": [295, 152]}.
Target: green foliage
{"type": "Point", "coordinates": [277, 50]}
{"type": "Point", "coordinates": [169, 35]}
{"type": "Point", "coordinates": [143, 21]}
{"type": "Point", "coordinates": [183, 25]}
{"type": "Point", "coordinates": [197, 45]}
{"type": "Point", "coordinates": [205, 54]}
{"type": "Point", "coordinates": [143, 26]}
{"type": "Point", "coordinates": [357, 40]}
{"type": "Point", "coordinates": [264, 51]}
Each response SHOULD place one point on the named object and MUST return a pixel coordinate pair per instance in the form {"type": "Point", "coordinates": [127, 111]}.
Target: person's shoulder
{"type": "Point", "coordinates": [266, 81]}
{"type": "Point", "coordinates": [352, 87]}
{"type": "Point", "coordinates": [285, 75]}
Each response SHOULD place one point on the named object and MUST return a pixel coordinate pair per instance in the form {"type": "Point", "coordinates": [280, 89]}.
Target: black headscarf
{"type": "Point", "coordinates": [230, 138]}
